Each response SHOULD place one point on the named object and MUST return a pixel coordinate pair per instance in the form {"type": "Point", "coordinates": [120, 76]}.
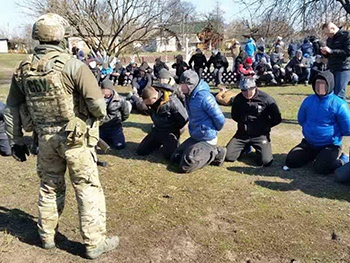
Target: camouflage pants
{"type": "Point", "coordinates": [53, 159]}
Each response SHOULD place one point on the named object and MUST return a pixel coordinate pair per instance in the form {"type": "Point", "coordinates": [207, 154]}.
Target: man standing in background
{"type": "Point", "coordinates": [337, 51]}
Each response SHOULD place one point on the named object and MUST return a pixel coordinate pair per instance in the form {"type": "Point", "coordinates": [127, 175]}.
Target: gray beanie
{"type": "Point", "coordinates": [107, 84]}
{"type": "Point", "coordinates": [190, 77]}
{"type": "Point", "coordinates": [164, 74]}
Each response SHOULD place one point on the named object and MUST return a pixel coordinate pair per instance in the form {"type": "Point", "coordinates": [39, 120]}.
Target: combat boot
{"type": "Point", "coordinates": [48, 243]}
{"type": "Point", "coordinates": [109, 243]}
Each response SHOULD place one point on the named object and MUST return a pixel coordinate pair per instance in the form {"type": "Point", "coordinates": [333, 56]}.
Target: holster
{"type": "Point", "coordinates": [76, 132]}
{"type": "Point", "coordinates": [93, 134]}
{"type": "Point", "coordinates": [80, 133]}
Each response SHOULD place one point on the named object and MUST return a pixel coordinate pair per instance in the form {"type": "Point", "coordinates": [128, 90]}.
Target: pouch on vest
{"type": "Point", "coordinates": [92, 132]}
{"type": "Point", "coordinates": [26, 120]}
{"type": "Point", "coordinates": [76, 131]}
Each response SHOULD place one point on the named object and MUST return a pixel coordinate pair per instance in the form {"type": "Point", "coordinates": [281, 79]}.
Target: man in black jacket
{"type": "Point", "coordinates": [5, 149]}
{"type": "Point", "coordinates": [158, 66]}
{"type": "Point", "coordinates": [180, 66]}
{"type": "Point", "coordinates": [169, 116]}
{"type": "Point", "coordinates": [337, 52]}
{"type": "Point", "coordinates": [220, 64]}
{"type": "Point", "coordinates": [255, 113]}
{"type": "Point", "coordinates": [118, 74]}
{"type": "Point", "coordinates": [141, 80]}
{"type": "Point", "coordinates": [200, 62]}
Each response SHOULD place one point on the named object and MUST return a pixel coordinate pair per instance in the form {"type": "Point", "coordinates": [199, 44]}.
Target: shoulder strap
{"type": "Point", "coordinates": [46, 59]}
{"type": "Point", "coordinates": [25, 65]}
{"type": "Point", "coordinates": [60, 59]}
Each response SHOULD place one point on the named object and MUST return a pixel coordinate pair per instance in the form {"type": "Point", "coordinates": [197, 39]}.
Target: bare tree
{"type": "Point", "coordinates": [302, 14]}
{"type": "Point", "coordinates": [216, 18]}
{"type": "Point", "coordinates": [107, 25]}
{"type": "Point", "coordinates": [178, 22]}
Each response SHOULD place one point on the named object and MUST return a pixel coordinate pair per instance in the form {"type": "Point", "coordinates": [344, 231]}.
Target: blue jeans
{"type": "Point", "coordinates": [113, 136]}
{"type": "Point", "coordinates": [5, 149]}
{"type": "Point", "coordinates": [341, 80]}
{"type": "Point", "coordinates": [218, 75]}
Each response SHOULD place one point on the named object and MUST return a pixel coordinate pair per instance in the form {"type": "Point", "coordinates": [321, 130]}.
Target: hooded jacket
{"type": "Point", "coordinates": [250, 47]}
{"type": "Point", "coordinates": [205, 115]}
{"type": "Point", "coordinates": [324, 119]}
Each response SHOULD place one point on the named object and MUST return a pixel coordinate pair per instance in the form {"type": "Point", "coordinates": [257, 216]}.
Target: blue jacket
{"type": "Point", "coordinates": [259, 56]}
{"type": "Point", "coordinates": [250, 47]}
{"type": "Point", "coordinates": [324, 120]}
{"type": "Point", "coordinates": [292, 50]}
{"type": "Point", "coordinates": [307, 48]}
{"type": "Point", "coordinates": [205, 115]}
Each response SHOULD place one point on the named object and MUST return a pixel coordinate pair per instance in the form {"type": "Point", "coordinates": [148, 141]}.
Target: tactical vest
{"type": "Point", "coordinates": [49, 103]}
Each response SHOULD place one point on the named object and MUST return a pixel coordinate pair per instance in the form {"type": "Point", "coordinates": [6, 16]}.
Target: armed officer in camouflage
{"type": "Point", "coordinates": [65, 104]}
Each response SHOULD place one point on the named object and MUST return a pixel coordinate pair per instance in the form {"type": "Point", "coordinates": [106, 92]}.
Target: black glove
{"type": "Point", "coordinates": [19, 152]}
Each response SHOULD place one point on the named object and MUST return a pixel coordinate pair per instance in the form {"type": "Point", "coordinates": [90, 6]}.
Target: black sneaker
{"type": "Point", "coordinates": [220, 157]}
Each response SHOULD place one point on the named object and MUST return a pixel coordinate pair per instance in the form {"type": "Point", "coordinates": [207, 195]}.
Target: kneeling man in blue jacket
{"type": "Point", "coordinates": [325, 119]}
{"type": "Point", "coordinates": [205, 121]}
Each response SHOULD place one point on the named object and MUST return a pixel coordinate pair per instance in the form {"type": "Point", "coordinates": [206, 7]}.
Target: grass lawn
{"type": "Point", "coordinates": [234, 213]}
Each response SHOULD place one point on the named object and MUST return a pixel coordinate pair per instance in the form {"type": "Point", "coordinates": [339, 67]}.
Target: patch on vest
{"type": "Point", "coordinates": [37, 85]}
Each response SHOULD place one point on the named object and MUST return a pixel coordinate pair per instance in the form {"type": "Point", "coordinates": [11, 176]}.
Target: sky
{"type": "Point", "coordinates": [13, 19]}
{"type": "Point", "coordinates": [231, 9]}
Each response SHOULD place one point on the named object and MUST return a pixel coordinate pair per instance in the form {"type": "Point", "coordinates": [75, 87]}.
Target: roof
{"type": "Point", "coordinates": [189, 28]}
{"type": "Point", "coordinates": [192, 38]}
{"type": "Point", "coordinates": [3, 38]}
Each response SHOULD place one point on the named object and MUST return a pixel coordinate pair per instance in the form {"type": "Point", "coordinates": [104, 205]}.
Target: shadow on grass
{"type": "Point", "coordinates": [295, 94]}
{"type": "Point", "coordinates": [290, 121]}
{"type": "Point", "coordinates": [129, 152]}
{"type": "Point", "coordinates": [145, 127]}
{"type": "Point", "coordinates": [23, 226]}
{"type": "Point", "coordinates": [303, 179]}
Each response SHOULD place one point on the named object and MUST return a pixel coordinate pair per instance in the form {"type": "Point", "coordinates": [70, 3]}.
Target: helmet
{"type": "Point", "coordinates": [50, 28]}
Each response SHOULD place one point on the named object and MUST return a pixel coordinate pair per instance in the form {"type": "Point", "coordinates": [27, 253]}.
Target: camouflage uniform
{"type": "Point", "coordinates": [62, 95]}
